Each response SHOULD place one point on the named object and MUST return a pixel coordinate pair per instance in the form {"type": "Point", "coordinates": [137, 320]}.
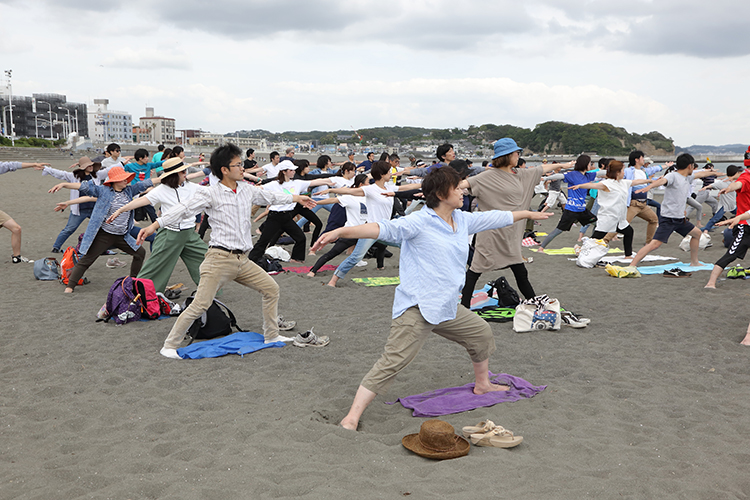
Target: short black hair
{"type": "Point", "coordinates": [604, 162]}
{"type": "Point", "coordinates": [249, 152]}
{"type": "Point", "coordinates": [521, 162]}
{"type": "Point", "coordinates": [140, 154]}
{"type": "Point", "coordinates": [347, 167]}
{"type": "Point", "coordinates": [394, 156]}
{"type": "Point", "coordinates": [370, 153]}
{"type": "Point", "coordinates": [113, 147]}
{"type": "Point", "coordinates": [582, 163]}
{"type": "Point", "coordinates": [438, 184]}
{"type": "Point", "coordinates": [442, 150]}
{"type": "Point", "coordinates": [323, 161]}
{"type": "Point", "coordinates": [684, 161]}
{"type": "Point", "coordinates": [634, 155]}
{"type": "Point", "coordinates": [160, 147]}
{"type": "Point", "coordinates": [222, 157]}
{"type": "Point", "coordinates": [177, 150]}
{"type": "Point", "coordinates": [273, 155]}
{"type": "Point", "coordinates": [379, 169]}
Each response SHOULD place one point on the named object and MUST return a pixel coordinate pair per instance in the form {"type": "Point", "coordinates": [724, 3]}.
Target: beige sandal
{"type": "Point", "coordinates": [498, 437]}
{"type": "Point", "coordinates": [481, 427]}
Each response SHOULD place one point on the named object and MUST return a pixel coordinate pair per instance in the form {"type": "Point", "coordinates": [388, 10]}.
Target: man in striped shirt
{"type": "Point", "coordinates": [228, 205]}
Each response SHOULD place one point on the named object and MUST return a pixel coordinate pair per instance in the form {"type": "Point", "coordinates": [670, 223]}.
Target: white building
{"type": "Point", "coordinates": [162, 128]}
{"type": "Point", "coordinates": [106, 125]}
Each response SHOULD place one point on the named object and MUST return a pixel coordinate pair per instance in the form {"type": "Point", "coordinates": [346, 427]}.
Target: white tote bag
{"type": "Point", "coordinates": [702, 244]}
{"type": "Point", "coordinates": [591, 252]}
{"type": "Point", "coordinates": [537, 313]}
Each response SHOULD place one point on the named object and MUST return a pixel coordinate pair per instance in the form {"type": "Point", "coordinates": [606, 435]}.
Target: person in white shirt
{"type": "Point", "coordinates": [228, 204]}
{"type": "Point", "coordinates": [280, 216]}
{"type": "Point", "coordinates": [178, 240]}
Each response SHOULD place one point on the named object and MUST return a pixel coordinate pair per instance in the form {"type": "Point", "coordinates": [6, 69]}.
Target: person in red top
{"type": "Point", "coordinates": [741, 241]}
{"type": "Point", "coordinates": [747, 157]}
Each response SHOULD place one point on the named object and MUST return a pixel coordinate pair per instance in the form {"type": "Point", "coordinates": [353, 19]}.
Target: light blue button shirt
{"type": "Point", "coordinates": [433, 258]}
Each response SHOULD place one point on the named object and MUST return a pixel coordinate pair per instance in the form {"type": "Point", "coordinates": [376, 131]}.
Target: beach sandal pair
{"type": "Point", "coordinates": [486, 433]}
{"type": "Point", "coordinates": [676, 272]}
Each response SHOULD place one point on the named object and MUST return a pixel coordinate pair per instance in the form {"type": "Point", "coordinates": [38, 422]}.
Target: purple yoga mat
{"type": "Point", "coordinates": [460, 399]}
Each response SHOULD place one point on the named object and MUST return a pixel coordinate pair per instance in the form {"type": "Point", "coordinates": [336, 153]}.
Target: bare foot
{"type": "Point", "coordinates": [540, 250]}
{"type": "Point", "coordinates": [346, 424]}
{"type": "Point", "coordinates": [712, 287]}
{"type": "Point", "coordinates": [332, 285]}
{"type": "Point", "coordinates": [490, 388]}
{"type": "Point", "coordinates": [311, 253]}
{"type": "Point", "coordinates": [695, 263]}
{"type": "Point", "coordinates": [68, 290]}
{"type": "Point", "coordinates": [746, 340]}
{"type": "Point", "coordinates": [297, 261]}
{"type": "Point", "coordinates": [310, 274]}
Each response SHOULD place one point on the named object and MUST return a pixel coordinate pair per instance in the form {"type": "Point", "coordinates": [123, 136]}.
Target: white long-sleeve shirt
{"type": "Point", "coordinates": [229, 212]}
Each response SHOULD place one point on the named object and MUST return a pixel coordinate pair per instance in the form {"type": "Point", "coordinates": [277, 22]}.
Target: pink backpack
{"type": "Point", "coordinates": [150, 308]}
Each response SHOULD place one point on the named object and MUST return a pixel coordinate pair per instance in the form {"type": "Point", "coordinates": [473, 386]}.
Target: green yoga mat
{"type": "Point", "coordinates": [378, 281]}
{"type": "Point", "coordinates": [497, 314]}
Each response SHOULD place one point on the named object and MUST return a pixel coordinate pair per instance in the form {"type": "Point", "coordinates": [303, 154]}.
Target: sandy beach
{"type": "Point", "coordinates": [649, 401]}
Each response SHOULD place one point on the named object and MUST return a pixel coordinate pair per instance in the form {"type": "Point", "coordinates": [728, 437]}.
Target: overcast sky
{"type": "Point", "coordinates": [681, 67]}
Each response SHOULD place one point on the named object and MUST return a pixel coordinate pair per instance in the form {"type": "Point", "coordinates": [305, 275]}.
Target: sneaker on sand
{"type": "Point", "coordinates": [286, 325]}
{"type": "Point", "coordinates": [361, 263]}
{"type": "Point", "coordinates": [18, 259]}
{"type": "Point", "coordinates": [570, 319]}
{"type": "Point", "coordinates": [278, 338]}
{"type": "Point", "coordinates": [114, 263]}
{"type": "Point", "coordinates": [169, 353]}
{"type": "Point", "coordinates": [309, 339]}
{"type": "Point", "coordinates": [110, 252]}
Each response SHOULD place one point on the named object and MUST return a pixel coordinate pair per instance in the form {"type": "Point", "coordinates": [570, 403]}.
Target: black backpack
{"type": "Point", "coordinates": [506, 295]}
{"type": "Point", "coordinates": [213, 323]}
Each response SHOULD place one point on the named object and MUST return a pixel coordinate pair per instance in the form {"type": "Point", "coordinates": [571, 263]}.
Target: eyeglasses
{"type": "Point", "coordinates": [236, 165]}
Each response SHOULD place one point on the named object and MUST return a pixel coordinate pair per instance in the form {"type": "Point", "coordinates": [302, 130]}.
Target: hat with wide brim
{"type": "Point", "coordinates": [505, 146]}
{"type": "Point", "coordinates": [172, 166]}
{"type": "Point", "coordinates": [85, 162]}
{"type": "Point", "coordinates": [117, 174]}
{"type": "Point", "coordinates": [436, 440]}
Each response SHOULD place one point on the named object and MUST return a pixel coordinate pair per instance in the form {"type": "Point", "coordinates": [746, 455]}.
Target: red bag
{"type": "Point", "coordinates": [67, 263]}
{"type": "Point", "coordinates": [150, 308]}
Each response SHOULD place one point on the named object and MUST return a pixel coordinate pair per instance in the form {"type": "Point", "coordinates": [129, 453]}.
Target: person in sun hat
{"type": "Point", "coordinates": [503, 186]}
{"type": "Point", "coordinates": [178, 240]}
{"type": "Point", "coordinates": [102, 234]}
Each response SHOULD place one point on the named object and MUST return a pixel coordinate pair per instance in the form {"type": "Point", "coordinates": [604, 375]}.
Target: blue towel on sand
{"type": "Point", "coordinates": [666, 267]}
{"type": "Point", "coordinates": [238, 343]}
{"type": "Point", "coordinates": [460, 399]}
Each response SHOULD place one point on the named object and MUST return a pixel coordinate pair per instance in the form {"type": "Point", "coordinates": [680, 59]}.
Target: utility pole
{"type": "Point", "coordinates": [8, 73]}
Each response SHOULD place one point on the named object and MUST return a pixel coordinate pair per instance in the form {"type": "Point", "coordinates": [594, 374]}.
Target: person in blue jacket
{"type": "Point", "coordinates": [100, 235]}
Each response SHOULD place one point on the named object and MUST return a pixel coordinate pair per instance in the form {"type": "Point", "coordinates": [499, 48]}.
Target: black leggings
{"type": "Point", "coordinates": [519, 272]}
{"type": "Point", "coordinates": [627, 241]}
{"type": "Point", "coordinates": [277, 223]}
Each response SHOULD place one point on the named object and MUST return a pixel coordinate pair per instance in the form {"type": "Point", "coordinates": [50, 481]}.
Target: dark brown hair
{"type": "Point", "coordinates": [438, 184]}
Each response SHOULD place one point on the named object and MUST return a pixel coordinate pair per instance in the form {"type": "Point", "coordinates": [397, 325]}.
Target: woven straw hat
{"type": "Point", "coordinates": [436, 440]}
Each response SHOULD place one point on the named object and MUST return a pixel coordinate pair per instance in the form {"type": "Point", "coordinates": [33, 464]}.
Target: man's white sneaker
{"type": "Point", "coordinates": [278, 338]}
{"type": "Point", "coordinates": [169, 353]}
{"type": "Point", "coordinates": [285, 325]}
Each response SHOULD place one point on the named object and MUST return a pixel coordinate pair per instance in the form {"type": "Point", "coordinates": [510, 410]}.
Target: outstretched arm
{"type": "Point", "coordinates": [410, 187]}
{"type": "Point", "coordinates": [65, 204]}
{"type": "Point", "coordinates": [371, 230]}
{"type": "Point", "coordinates": [353, 191]}
{"type": "Point", "coordinates": [591, 185]}
{"type": "Point", "coordinates": [528, 214]}
{"type": "Point", "coordinates": [136, 203]}
{"type": "Point", "coordinates": [659, 182]}
{"type": "Point", "coordinates": [736, 185]}
{"type": "Point", "coordinates": [734, 220]}
{"type": "Point", "coordinates": [549, 167]}
{"type": "Point", "coordinates": [65, 185]}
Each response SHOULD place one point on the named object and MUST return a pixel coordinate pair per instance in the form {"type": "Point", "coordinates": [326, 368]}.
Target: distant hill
{"type": "Point", "coordinates": [544, 138]}
{"type": "Point", "coordinates": [702, 150]}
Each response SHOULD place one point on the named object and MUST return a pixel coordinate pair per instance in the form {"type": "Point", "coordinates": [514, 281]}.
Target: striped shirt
{"type": "Point", "coordinates": [118, 226]}
{"type": "Point", "coordinates": [229, 211]}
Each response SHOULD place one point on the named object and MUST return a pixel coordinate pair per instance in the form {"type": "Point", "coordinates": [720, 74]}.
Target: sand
{"type": "Point", "coordinates": [650, 401]}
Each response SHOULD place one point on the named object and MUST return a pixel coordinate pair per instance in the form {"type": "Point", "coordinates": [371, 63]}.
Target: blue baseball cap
{"type": "Point", "coordinates": [505, 146]}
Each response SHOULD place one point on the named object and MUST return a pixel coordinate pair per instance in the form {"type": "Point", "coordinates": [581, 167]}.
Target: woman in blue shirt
{"type": "Point", "coordinates": [432, 267]}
